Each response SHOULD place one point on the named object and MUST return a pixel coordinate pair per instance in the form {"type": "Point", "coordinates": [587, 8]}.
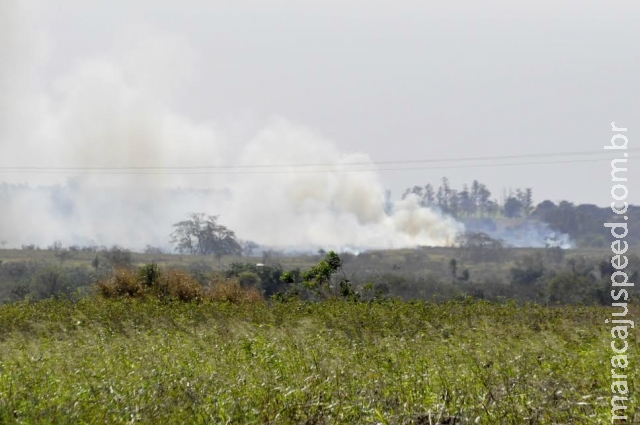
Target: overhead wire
{"type": "Point", "coordinates": [294, 168]}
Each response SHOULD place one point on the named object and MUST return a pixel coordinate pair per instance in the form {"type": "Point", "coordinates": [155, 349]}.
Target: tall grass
{"type": "Point", "coordinates": [160, 360]}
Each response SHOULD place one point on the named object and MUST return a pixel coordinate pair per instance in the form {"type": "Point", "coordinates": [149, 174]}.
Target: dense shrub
{"type": "Point", "coordinates": [172, 284]}
{"type": "Point", "coordinates": [249, 280]}
{"type": "Point", "coordinates": [231, 290]}
{"type": "Point", "coordinates": [270, 276]}
{"type": "Point", "coordinates": [569, 288]}
{"type": "Point", "coordinates": [121, 283]}
{"type": "Point", "coordinates": [40, 280]}
{"type": "Point", "coordinates": [118, 257]}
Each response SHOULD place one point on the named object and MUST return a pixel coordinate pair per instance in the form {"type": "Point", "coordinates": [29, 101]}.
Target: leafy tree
{"type": "Point", "coordinates": [479, 246]}
{"type": "Point", "coordinates": [467, 203]}
{"type": "Point", "coordinates": [96, 263]}
{"type": "Point", "coordinates": [149, 274]}
{"type": "Point", "coordinates": [118, 257]}
{"type": "Point", "coordinates": [465, 275]}
{"type": "Point", "coordinates": [443, 196]}
{"type": "Point", "coordinates": [20, 291]}
{"type": "Point", "coordinates": [606, 269]}
{"type": "Point", "coordinates": [429, 196]}
{"type": "Point", "coordinates": [415, 190]}
{"type": "Point", "coordinates": [569, 288]}
{"type": "Point", "coordinates": [52, 282]}
{"type": "Point", "coordinates": [453, 266]}
{"type": "Point", "coordinates": [525, 276]}
{"type": "Point", "coordinates": [454, 203]}
{"type": "Point", "coordinates": [512, 207]}
{"type": "Point", "coordinates": [320, 278]}
{"type": "Point", "coordinates": [543, 209]}
{"type": "Point", "coordinates": [491, 208]}
{"type": "Point", "coordinates": [526, 199]}
{"type": "Point", "coordinates": [188, 235]}
{"type": "Point", "coordinates": [202, 235]}
{"type": "Point", "coordinates": [271, 278]}
{"type": "Point", "coordinates": [474, 193]}
{"type": "Point", "coordinates": [481, 195]}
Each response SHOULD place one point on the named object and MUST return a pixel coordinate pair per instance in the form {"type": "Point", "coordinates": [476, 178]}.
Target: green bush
{"type": "Point", "coordinates": [249, 280]}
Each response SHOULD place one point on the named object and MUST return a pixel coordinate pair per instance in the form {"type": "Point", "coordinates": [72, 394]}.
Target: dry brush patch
{"type": "Point", "coordinates": [152, 281]}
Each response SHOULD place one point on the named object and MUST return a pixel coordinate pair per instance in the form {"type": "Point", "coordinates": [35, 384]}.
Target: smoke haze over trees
{"type": "Point", "coordinates": [518, 220]}
{"type": "Point", "coordinates": [425, 215]}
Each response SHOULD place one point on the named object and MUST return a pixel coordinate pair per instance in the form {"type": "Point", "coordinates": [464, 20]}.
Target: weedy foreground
{"type": "Point", "coordinates": [98, 360]}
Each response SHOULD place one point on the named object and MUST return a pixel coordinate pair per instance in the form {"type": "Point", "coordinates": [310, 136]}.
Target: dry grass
{"type": "Point", "coordinates": [231, 290]}
{"type": "Point", "coordinates": [174, 284]}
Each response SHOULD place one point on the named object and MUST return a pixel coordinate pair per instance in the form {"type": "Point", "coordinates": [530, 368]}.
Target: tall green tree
{"type": "Point", "coordinates": [512, 207]}
{"type": "Point", "coordinates": [201, 234]}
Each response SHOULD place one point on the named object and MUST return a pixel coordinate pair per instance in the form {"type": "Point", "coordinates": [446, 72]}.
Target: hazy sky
{"type": "Point", "coordinates": [396, 80]}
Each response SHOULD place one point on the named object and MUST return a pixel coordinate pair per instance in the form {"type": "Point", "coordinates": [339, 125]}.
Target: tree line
{"type": "Point", "coordinates": [473, 200]}
{"type": "Point", "coordinates": [582, 222]}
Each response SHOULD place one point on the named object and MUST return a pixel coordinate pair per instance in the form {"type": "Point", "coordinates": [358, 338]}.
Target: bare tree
{"type": "Point", "coordinates": [56, 246]}
{"type": "Point", "coordinates": [248, 247]}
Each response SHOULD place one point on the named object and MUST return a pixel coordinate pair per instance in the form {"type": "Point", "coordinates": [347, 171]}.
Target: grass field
{"type": "Point", "coordinates": [124, 361]}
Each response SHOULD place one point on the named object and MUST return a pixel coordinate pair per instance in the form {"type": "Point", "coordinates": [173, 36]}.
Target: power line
{"type": "Point", "coordinates": [370, 163]}
{"type": "Point", "coordinates": [142, 172]}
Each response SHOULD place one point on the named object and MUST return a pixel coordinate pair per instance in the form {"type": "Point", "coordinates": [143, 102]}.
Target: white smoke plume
{"type": "Point", "coordinates": [329, 209]}
{"type": "Point", "coordinates": [114, 110]}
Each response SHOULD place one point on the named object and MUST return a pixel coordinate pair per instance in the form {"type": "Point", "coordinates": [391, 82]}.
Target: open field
{"type": "Point", "coordinates": [105, 361]}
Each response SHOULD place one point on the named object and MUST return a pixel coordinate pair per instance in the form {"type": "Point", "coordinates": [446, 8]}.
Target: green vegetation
{"type": "Point", "coordinates": [478, 267]}
{"type": "Point", "coordinates": [334, 343]}
{"type": "Point", "coordinates": [101, 360]}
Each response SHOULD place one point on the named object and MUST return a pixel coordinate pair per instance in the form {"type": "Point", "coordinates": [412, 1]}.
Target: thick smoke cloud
{"type": "Point", "coordinates": [23, 52]}
{"type": "Point", "coordinates": [114, 109]}
{"type": "Point", "coordinates": [330, 209]}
